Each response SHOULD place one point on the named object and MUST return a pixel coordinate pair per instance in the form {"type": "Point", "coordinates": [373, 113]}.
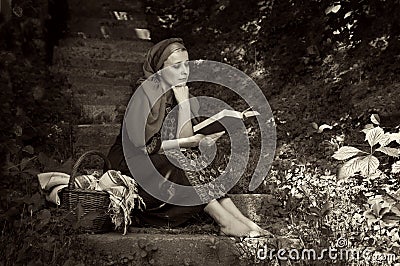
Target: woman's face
{"type": "Point", "coordinates": [176, 68]}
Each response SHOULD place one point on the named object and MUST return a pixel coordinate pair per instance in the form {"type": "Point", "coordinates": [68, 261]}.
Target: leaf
{"type": "Point", "coordinates": [332, 9]}
{"type": "Point", "coordinates": [48, 163]}
{"type": "Point", "coordinates": [396, 167]}
{"type": "Point", "coordinates": [25, 162]}
{"type": "Point", "coordinates": [367, 128]}
{"type": "Point", "coordinates": [390, 218]}
{"type": "Point", "coordinates": [389, 151]}
{"type": "Point", "coordinates": [369, 165]}
{"type": "Point", "coordinates": [350, 168]}
{"type": "Point", "coordinates": [79, 211]}
{"type": "Point", "coordinates": [32, 171]}
{"type": "Point", "coordinates": [346, 152]}
{"type": "Point", "coordinates": [29, 149]}
{"type": "Point", "coordinates": [323, 127]}
{"type": "Point", "coordinates": [374, 135]}
{"type": "Point", "coordinates": [66, 167]}
{"type": "Point", "coordinates": [314, 125]}
{"type": "Point", "coordinates": [395, 137]}
{"type": "Point", "coordinates": [315, 211]}
{"type": "Point", "coordinates": [385, 140]}
{"type": "Point", "coordinates": [44, 217]}
{"type": "Point", "coordinates": [375, 119]}
{"type": "Point", "coordinates": [87, 220]}
{"type": "Point", "coordinates": [326, 208]}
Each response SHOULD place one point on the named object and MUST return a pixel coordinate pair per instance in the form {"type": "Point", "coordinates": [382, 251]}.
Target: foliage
{"type": "Point", "coordinates": [34, 137]}
{"type": "Point", "coordinates": [366, 162]}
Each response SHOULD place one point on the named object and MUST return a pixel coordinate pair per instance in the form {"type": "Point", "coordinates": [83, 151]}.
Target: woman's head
{"type": "Point", "coordinates": [175, 68]}
{"type": "Point", "coordinates": [170, 55]}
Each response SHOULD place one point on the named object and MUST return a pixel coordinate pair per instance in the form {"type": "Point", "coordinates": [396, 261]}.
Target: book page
{"type": "Point", "coordinates": [224, 115]}
{"type": "Point", "coordinates": [250, 113]}
{"type": "Point", "coordinates": [216, 117]}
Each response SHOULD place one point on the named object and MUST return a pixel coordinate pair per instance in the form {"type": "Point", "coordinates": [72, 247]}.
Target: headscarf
{"type": "Point", "coordinates": [150, 94]}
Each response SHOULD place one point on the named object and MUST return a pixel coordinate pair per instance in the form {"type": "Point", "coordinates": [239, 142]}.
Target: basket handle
{"type": "Point", "coordinates": [71, 183]}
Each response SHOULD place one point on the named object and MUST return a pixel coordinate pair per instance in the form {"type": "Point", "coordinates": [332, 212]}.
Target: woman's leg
{"type": "Point", "coordinates": [229, 206]}
{"type": "Point", "coordinates": [229, 224]}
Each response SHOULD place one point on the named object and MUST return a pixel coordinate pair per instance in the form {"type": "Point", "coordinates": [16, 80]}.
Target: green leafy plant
{"type": "Point", "coordinates": [366, 162]}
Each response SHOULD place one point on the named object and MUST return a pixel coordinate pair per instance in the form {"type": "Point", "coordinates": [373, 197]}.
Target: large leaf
{"type": "Point", "coordinates": [395, 137]}
{"type": "Point", "coordinates": [375, 119]}
{"type": "Point", "coordinates": [396, 168]}
{"type": "Point", "coordinates": [346, 152]}
{"type": "Point", "coordinates": [350, 168]}
{"type": "Point", "coordinates": [389, 151]}
{"type": "Point", "coordinates": [367, 128]}
{"type": "Point", "coordinates": [385, 140]}
{"type": "Point", "coordinates": [368, 165]}
{"type": "Point", "coordinates": [374, 136]}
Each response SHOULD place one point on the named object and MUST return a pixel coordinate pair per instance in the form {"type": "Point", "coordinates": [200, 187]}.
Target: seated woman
{"type": "Point", "coordinates": [171, 52]}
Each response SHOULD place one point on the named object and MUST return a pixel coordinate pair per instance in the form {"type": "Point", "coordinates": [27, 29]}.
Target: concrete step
{"type": "Point", "coordinates": [106, 28]}
{"type": "Point", "coordinates": [116, 81]}
{"type": "Point", "coordinates": [119, 11]}
{"type": "Point", "coordinates": [101, 76]}
{"type": "Point", "coordinates": [165, 249]}
{"type": "Point", "coordinates": [96, 114]}
{"type": "Point", "coordinates": [98, 94]}
{"type": "Point", "coordinates": [107, 44]}
{"type": "Point", "coordinates": [73, 64]}
{"type": "Point", "coordinates": [100, 104]}
{"type": "Point", "coordinates": [76, 53]}
{"type": "Point", "coordinates": [186, 246]}
{"type": "Point", "coordinates": [92, 7]}
{"type": "Point", "coordinates": [93, 137]}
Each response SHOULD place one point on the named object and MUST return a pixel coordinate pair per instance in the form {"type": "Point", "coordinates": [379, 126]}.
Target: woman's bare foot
{"type": "Point", "coordinates": [255, 227]}
{"type": "Point", "coordinates": [231, 208]}
{"type": "Point", "coordinates": [235, 228]}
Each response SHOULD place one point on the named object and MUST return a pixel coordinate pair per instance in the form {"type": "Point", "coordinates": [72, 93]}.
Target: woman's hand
{"type": "Point", "coordinates": [181, 93]}
{"type": "Point", "coordinates": [208, 140]}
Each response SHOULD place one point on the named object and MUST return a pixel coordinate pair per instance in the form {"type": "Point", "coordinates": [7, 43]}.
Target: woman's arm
{"type": "Point", "coordinates": [188, 142]}
{"type": "Point", "coordinates": [184, 127]}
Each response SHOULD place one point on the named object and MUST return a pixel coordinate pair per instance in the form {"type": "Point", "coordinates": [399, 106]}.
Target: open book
{"type": "Point", "coordinates": [227, 118]}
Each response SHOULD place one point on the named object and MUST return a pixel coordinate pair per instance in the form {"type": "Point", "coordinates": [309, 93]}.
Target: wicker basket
{"type": "Point", "coordinates": [91, 202]}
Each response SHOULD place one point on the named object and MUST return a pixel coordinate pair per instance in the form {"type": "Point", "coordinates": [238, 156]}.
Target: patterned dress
{"type": "Point", "coordinates": [199, 168]}
{"type": "Point", "coordinates": [191, 159]}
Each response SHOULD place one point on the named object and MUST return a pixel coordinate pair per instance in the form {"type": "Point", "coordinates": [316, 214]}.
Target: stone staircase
{"type": "Point", "coordinates": [101, 57]}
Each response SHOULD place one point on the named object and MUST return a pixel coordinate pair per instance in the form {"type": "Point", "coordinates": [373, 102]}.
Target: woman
{"type": "Point", "coordinates": [171, 56]}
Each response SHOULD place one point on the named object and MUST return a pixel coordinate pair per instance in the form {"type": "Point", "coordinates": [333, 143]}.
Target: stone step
{"type": "Point", "coordinates": [92, 7]}
{"type": "Point", "coordinates": [98, 94]}
{"type": "Point", "coordinates": [106, 28]}
{"type": "Point", "coordinates": [93, 137]}
{"type": "Point", "coordinates": [96, 114]}
{"type": "Point", "coordinates": [117, 11]}
{"type": "Point", "coordinates": [106, 44]}
{"type": "Point", "coordinates": [100, 104]}
{"type": "Point", "coordinates": [180, 246]}
{"type": "Point", "coordinates": [116, 81]}
{"type": "Point", "coordinates": [75, 53]}
{"type": "Point", "coordinates": [101, 76]}
{"type": "Point", "coordinates": [166, 249]}
{"type": "Point", "coordinates": [74, 64]}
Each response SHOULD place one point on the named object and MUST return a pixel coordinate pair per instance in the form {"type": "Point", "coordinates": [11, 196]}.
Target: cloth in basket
{"type": "Point", "coordinates": [122, 190]}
